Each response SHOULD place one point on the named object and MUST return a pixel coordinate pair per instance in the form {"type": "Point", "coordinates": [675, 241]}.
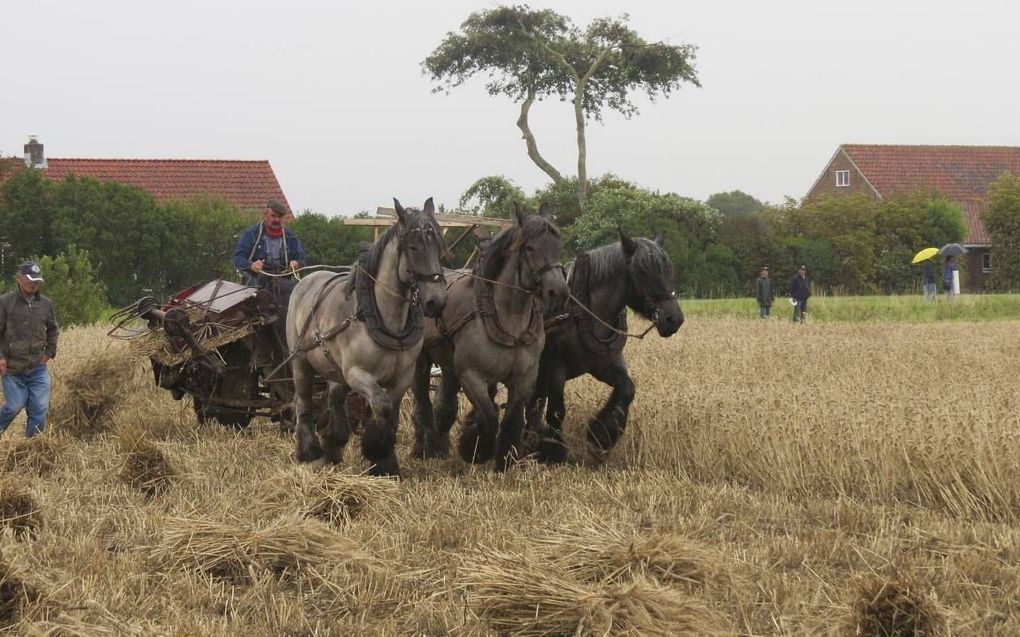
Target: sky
{"type": "Point", "coordinates": [333, 95]}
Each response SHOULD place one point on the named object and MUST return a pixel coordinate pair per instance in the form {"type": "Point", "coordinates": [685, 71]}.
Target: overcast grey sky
{"type": "Point", "coordinates": [332, 93]}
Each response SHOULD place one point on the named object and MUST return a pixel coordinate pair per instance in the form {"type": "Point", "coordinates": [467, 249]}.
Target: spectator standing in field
{"type": "Point", "coordinates": [928, 281]}
{"type": "Point", "coordinates": [800, 290]}
{"type": "Point", "coordinates": [947, 277]}
{"type": "Point", "coordinates": [28, 340]}
{"type": "Point", "coordinates": [763, 292]}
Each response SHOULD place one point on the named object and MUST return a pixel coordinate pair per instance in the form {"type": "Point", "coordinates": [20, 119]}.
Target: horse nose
{"type": "Point", "coordinates": [432, 308]}
{"type": "Point", "coordinates": [556, 296]}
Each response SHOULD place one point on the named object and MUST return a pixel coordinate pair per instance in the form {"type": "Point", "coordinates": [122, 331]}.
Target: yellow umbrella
{"type": "Point", "coordinates": [924, 255]}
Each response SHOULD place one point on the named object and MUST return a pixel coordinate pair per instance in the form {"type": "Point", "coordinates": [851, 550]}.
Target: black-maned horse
{"type": "Point", "coordinates": [634, 273]}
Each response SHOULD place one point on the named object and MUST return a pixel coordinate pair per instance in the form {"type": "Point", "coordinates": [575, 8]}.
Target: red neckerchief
{"type": "Point", "coordinates": [275, 233]}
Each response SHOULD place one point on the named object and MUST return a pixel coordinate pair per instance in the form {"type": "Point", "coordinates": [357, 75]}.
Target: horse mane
{"type": "Point", "coordinates": [607, 264]}
{"type": "Point", "coordinates": [510, 239]}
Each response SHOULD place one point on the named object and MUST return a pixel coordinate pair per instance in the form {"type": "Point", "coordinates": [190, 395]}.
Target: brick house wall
{"type": "Point", "coordinates": [826, 184]}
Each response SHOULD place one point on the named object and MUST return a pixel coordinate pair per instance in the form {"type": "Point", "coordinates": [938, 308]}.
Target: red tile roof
{"type": "Point", "coordinates": [249, 184]}
{"type": "Point", "coordinates": [961, 173]}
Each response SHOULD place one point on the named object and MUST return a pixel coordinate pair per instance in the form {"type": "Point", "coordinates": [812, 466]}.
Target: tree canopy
{"type": "Point", "coordinates": [734, 203]}
{"type": "Point", "coordinates": [1002, 221]}
{"type": "Point", "coordinates": [528, 55]}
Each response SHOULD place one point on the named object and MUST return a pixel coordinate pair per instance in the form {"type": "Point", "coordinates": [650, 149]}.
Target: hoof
{"type": "Point", "coordinates": [552, 451]}
{"type": "Point", "coordinates": [384, 470]}
{"type": "Point", "coordinates": [309, 454]}
{"type": "Point", "coordinates": [472, 448]}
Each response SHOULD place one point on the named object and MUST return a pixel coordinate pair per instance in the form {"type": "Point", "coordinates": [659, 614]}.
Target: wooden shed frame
{"type": "Point", "coordinates": [384, 218]}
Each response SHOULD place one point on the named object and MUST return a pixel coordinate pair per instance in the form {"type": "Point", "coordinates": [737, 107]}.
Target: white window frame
{"type": "Point", "coordinates": [986, 258]}
{"type": "Point", "coordinates": [845, 181]}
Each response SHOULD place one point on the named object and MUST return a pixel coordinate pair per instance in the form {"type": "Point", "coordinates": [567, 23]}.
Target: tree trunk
{"type": "Point", "coordinates": [529, 139]}
{"type": "Point", "coordinates": [582, 150]}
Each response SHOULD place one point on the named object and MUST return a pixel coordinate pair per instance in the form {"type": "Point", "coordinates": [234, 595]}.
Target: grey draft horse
{"type": "Point", "coordinates": [491, 331]}
{"type": "Point", "coordinates": [363, 332]}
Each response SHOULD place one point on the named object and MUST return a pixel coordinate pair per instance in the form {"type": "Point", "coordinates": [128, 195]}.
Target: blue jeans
{"type": "Point", "coordinates": [930, 292]}
{"type": "Point", "coordinates": [30, 391]}
{"type": "Point", "coordinates": [764, 310]}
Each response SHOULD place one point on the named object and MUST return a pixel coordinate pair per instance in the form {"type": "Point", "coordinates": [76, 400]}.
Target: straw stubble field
{"type": "Point", "coordinates": [775, 479]}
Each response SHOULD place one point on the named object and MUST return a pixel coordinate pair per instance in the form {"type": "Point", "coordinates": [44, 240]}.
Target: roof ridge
{"type": "Point", "coordinates": [190, 161]}
{"type": "Point", "coordinates": [931, 146]}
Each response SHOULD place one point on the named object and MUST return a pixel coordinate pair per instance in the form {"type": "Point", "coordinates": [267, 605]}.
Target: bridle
{"type": "Point", "coordinates": [534, 281]}
{"type": "Point", "coordinates": [650, 301]}
{"type": "Point", "coordinates": [417, 278]}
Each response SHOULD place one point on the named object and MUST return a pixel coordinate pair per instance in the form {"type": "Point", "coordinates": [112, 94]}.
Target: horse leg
{"type": "Point", "coordinates": [447, 405]}
{"type": "Point", "coordinates": [606, 428]}
{"type": "Point", "coordinates": [476, 444]}
{"type": "Point", "coordinates": [470, 421]}
{"type": "Point", "coordinates": [380, 434]}
{"type": "Point", "coordinates": [508, 444]}
{"type": "Point", "coordinates": [308, 447]}
{"type": "Point", "coordinates": [337, 433]}
{"type": "Point", "coordinates": [424, 422]}
{"type": "Point", "coordinates": [550, 447]}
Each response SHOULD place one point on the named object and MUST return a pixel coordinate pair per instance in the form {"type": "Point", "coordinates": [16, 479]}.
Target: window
{"type": "Point", "coordinates": [842, 178]}
{"type": "Point", "coordinates": [986, 262]}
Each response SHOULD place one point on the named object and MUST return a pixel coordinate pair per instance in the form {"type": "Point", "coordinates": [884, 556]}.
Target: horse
{"type": "Point", "coordinates": [490, 332]}
{"type": "Point", "coordinates": [363, 332]}
{"type": "Point", "coordinates": [634, 273]}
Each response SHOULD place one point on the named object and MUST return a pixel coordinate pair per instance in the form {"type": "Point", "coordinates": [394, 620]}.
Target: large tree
{"type": "Point", "coordinates": [529, 55]}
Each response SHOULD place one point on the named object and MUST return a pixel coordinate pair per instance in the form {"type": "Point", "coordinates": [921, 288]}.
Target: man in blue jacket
{"type": "Point", "coordinates": [268, 248]}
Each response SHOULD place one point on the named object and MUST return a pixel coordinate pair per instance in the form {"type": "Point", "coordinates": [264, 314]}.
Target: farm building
{"type": "Point", "coordinates": [961, 173]}
{"type": "Point", "coordinates": [248, 184]}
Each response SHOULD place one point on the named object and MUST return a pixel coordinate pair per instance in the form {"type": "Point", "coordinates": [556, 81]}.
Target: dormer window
{"type": "Point", "coordinates": [842, 178]}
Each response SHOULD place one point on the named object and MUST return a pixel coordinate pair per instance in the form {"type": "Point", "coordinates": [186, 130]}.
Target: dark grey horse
{"type": "Point", "coordinates": [363, 331]}
{"type": "Point", "coordinates": [634, 273]}
{"type": "Point", "coordinates": [491, 331]}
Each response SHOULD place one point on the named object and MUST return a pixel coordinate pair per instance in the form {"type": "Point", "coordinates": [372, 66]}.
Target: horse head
{"type": "Point", "coordinates": [538, 243]}
{"type": "Point", "coordinates": [421, 245]}
{"type": "Point", "coordinates": [651, 283]}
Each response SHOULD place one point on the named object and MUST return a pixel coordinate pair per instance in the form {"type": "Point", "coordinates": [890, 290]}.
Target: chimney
{"type": "Point", "coordinates": [34, 157]}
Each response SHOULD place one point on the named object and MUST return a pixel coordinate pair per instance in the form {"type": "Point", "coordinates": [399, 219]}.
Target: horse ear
{"type": "Point", "coordinates": [658, 238]}
{"type": "Point", "coordinates": [629, 245]}
{"type": "Point", "coordinates": [519, 214]}
{"type": "Point", "coordinates": [402, 214]}
{"type": "Point", "coordinates": [545, 211]}
{"type": "Point", "coordinates": [430, 208]}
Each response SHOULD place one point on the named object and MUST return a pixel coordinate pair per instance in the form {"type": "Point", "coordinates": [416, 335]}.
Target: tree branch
{"type": "Point", "coordinates": [529, 139]}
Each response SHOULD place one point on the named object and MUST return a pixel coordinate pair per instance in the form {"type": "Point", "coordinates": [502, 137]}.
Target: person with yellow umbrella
{"type": "Point", "coordinates": [924, 257]}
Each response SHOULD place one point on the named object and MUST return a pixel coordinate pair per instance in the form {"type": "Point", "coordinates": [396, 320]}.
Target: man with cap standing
{"type": "Point", "coordinates": [268, 247]}
{"type": "Point", "coordinates": [800, 290]}
{"type": "Point", "coordinates": [28, 340]}
{"type": "Point", "coordinates": [763, 293]}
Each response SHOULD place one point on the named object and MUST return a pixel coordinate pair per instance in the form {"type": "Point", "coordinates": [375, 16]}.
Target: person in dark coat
{"type": "Point", "coordinates": [763, 293]}
{"type": "Point", "coordinates": [931, 291]}
{"type": "Point", "coordinates": [800, 291]}
{"type": "Point", "coordinates": [948, 272]}
{"type": "Point", "coordinates": [28, 340]}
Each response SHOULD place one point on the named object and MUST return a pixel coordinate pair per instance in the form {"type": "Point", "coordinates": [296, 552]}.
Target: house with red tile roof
{"type": "Point", "coordinates": [961, 173]}
{"type": "Point", "coordinates": [248, 184]}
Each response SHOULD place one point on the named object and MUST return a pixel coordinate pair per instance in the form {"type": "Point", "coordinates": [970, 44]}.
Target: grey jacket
{"type": "Point", "coordinates": [28, 330]}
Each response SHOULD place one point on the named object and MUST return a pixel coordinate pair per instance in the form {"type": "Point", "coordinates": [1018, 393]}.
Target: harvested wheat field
{"type": "Point", "coordinates": [775, 479]}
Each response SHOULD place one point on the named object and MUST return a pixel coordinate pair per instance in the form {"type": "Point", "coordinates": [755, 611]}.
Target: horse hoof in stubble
{"type": "Point", "coordinates": [601, 438]}
{"type": "Point", "coordinates": [472, 448]}
{"type": "Point", "coordinates": [334, 456]}
{"type": "Point", "coordinates": [384, 470]}
{"type": "Point", "coordinates": [309, 453]}
{"type": "Point", "coordinates": [551, 451]}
